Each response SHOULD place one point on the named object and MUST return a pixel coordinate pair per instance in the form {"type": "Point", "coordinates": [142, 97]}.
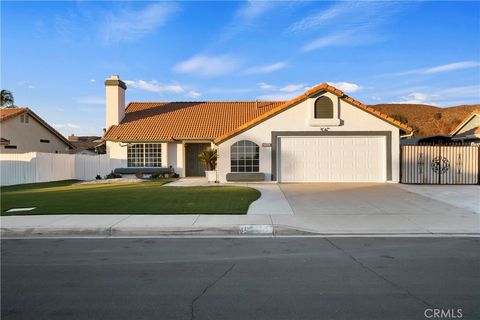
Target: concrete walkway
{"type": "Point", "coordinates": [465, 197]}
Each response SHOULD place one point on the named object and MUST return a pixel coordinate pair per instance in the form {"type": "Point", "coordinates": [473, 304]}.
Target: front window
{"type": "Point", "coordinates": [144, 155]}
{"type": "Point", "coordinates": [244, 156]}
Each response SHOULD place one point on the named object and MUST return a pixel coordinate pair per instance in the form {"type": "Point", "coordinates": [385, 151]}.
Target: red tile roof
{"type": "Point", "coordinates": [218, 121]}
{"type": "Point", "coordinates": [167, 121]}
{"type": "Point", "coordinates": [8, 113]}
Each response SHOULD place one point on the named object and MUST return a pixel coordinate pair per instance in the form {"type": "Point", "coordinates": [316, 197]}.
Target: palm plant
{"type": "Point", "coordinates": [209, 158]}
{"type": "Point", "coordinates": [6, 99]}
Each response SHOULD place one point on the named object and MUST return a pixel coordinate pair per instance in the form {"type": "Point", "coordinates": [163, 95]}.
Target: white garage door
{"type": "Point", "coordinates": [332, 159]}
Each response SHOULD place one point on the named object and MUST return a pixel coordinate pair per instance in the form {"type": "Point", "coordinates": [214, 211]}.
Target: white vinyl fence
{"type": "Point", "coordinates": [31, 167]}
{"type": "Point", "coordinates": [446, 164]}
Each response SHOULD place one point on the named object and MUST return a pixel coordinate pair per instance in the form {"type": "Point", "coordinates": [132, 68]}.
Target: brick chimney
{"type": "Point", "coordinates": [114, 100]}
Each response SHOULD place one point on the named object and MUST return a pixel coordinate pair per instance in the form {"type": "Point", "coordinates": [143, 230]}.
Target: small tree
{"type": "Point", "coordinates": [6, 99]}
{"type": "Point", "coordinates": [209, 158]}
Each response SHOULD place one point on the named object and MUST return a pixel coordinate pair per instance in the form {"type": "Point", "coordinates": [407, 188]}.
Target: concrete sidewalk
{"type": "Point", "coordinates": [217, 225]}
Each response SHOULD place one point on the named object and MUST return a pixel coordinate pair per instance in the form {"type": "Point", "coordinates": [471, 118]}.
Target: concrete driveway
{"type": "Point", "coordinates": [363, 208]}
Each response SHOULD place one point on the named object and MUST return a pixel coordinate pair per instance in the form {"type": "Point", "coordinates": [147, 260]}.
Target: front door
{"type": "Point", "coordinates": [193, 166]}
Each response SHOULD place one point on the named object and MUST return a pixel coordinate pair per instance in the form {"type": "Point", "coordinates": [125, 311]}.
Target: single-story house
{"type": "Point", "coordinates": [468, 131]}
{"type": "Point", "coordinates": [24, 131]}
{"type": "Point", "coordinates": [322, 135]}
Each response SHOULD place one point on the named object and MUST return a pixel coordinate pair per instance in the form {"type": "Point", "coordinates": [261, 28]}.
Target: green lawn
{"type": "Point", "coordinates": [131, 198]}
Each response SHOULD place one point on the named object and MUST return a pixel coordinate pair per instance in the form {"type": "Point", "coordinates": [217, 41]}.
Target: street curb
{"type": "Point", "coordinates": [235, 230]}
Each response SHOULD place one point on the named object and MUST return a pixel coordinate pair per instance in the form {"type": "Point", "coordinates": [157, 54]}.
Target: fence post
{"type": "Point", "coordinates": [478, 164]}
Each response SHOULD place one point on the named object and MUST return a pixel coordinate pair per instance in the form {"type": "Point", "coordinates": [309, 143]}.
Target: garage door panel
{"type": "Point", "coordinates": [332, 159]}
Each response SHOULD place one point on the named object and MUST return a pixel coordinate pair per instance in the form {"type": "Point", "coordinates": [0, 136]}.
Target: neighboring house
{"type": "Point", "coordinates": [468, 131]}
{"type": "Point", "coordinates": [24, 131]}
{"type": "Point", "coordinates": [87, 144]}
{"type": "Point", "coordinates": [320, 136]}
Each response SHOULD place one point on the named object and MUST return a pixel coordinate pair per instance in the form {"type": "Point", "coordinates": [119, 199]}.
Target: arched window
{"type": "Point", "coordinates": [244, 156]}
{"type": "Point", "coordinates": [323, 108]}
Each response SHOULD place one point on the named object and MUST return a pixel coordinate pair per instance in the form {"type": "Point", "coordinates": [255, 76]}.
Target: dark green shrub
{"type": "Point", "coordinates": [98, 177]}
{"type": "Point", "coordinates": [113, 175]}
{"type": "Point", "coordinates": [156, 175]}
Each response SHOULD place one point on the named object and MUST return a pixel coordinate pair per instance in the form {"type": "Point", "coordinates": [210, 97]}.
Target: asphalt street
{"type": "Point", "coordinates": [240, 278]}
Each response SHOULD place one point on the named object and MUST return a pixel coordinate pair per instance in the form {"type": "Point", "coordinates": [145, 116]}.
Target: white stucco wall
{"type": "Point", "coordinates": [117, 153]}
{"type": "Point", "coordinates": [297, 118]}
{"type": "Point", "coordinates": [26, 136]}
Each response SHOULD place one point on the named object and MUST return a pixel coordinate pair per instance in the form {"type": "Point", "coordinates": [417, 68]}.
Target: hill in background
{"type": "Point", "coordinates": [428, 120]}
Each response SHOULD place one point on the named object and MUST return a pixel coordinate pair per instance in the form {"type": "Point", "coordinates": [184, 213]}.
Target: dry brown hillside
{"type": "Point", "coordinates": [428, 120]}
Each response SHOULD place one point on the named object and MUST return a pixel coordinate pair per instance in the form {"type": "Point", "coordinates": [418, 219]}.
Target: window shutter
{"type": "Point", "coordinates": [323, 108]}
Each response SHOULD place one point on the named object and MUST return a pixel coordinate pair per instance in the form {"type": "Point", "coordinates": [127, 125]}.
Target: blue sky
{"type": "Point", "coordinates": [56, 55]}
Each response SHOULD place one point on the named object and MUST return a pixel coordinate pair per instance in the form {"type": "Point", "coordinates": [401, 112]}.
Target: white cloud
{"type": "Point", "coordinates": [362, 26]}
{"type": "Point", "coordinates": [92, 80]}
{"type": "Point", "coordinates": [293, 87]}
{"type": "Point", "coordinates": [266, 68]}
{"type": "Point", "coordinates": [343, 38]}
{"type": "Point", "coordinates": [452, 67]}
{"type": "Point", "coordinates": [245, 18]}
{"type": "Point", "coordinates": [320, 18]}
{"type": "Point", "coordinates": [280, 96]}
{"type": "Point", "coordinates": [66, 126]}
{"type": "Point", "coordinates": [253, 9]}
{"type": "Point", "coordinates": [360, 14]}
{"type": "Point", "coordinates": [346, 86]}
{"type": "Point", "coordinates": [327, 41]}
{"type": "Point", "coordinates": [442, 96]}
{"type": "Point", "coordinates": [266, 86]}
{"type": "Point", "coordinates": [442, 68]}
{"type": "Point", "coordinates": [91, 100]}
{"type": "Point", "coordinates": [193, 94]}
{"type": "Point", "coordinates": [130, 25]}
{"type": "Point", "coordinates": [26, 84]}
{"type": "Point", "coordinates": [154, 86]}
{"type": "Point", "coordinates": [208, 66]}
{"type": "Point", "coordinates": [416, 98]}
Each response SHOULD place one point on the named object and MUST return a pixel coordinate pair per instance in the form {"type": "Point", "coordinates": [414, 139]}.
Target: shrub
{"type": "Point", "coordinates": [139, 175]}
{"type": "Point", "coordinates": [164, 174]}
{"type": "Point", "coordinates": [209, 158]}
{"type": "Point", "coordinates": [98, 177]}
{"type": "Point", "coordinates": [113, 175]}
{"type": "Point", "coordinates": [400, 118]}
{"type": "Point", "coordinates": [156, 175]}
{"type": "Point", "coordinates": [175, 175]}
